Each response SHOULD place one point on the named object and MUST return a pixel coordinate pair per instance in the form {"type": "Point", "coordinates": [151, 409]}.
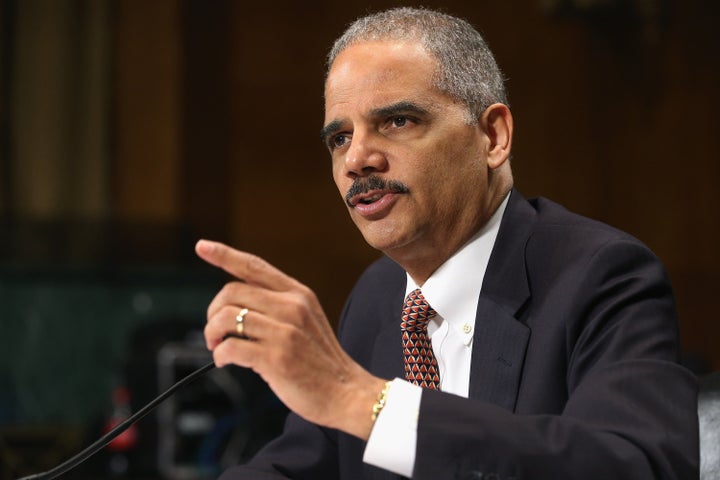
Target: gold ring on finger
{"type": "Point", "coordinates": [240, 325]}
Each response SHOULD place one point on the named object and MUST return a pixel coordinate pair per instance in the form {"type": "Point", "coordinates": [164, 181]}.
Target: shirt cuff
{"type": "Point", "coordinates": [393, 439]}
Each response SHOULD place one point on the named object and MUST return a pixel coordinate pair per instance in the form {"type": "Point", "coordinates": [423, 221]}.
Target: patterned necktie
{"type": "Point", "coordinates": [421, 367]}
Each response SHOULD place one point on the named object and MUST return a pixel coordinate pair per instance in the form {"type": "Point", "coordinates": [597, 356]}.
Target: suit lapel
{"type": "Point", "coordinates": [387, 357]}
{"type": "Point", "coordinates": [500, 340]}
{"type": "Point", "coordinates": [499, 346]}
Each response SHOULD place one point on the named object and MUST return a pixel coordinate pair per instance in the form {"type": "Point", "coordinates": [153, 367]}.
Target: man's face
{"type": "Point", "coordinates": [411, 169]}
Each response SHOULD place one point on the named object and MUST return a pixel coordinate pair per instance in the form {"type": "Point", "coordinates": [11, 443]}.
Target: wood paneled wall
{"type": "Point", "coordinates": [218, 107]}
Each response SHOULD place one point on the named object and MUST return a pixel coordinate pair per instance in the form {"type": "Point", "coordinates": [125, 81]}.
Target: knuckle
{"type": "Point", "coordinates": [295, 309]}
{"type": "Point", "coordinates": [219, 355]}
{"type": "Point", "coordinates": [307, 296]}
{"type": "Point", "coordinates": [229, 290]}
{"type": "Point", "coordinates": [230, 351]}
{"type": "Point", "coordinates": [305, 291]}
{"type": "Point", "coordinates": [227, 312]}
{"type": "Point", "coordinates": [290, 309]}
{"type": "Point", "coordinates": [289, 337]}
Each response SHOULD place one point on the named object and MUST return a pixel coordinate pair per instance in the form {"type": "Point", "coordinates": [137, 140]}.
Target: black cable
{"type": "Point", "coordinates": [110, 436]}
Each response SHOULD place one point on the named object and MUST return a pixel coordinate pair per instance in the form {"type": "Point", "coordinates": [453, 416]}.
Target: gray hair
{"type": "Point", "coordinates": [467, 70]}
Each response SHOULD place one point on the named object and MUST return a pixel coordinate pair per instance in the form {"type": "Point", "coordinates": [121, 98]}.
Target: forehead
{"type": "Point", "coordinates": [379, 71]}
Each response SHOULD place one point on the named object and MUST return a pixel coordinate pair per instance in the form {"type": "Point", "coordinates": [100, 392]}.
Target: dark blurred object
{"type": "Point", "coordinates": [219, 420]}
{"type": "Point", "coordinates": [119, 447]}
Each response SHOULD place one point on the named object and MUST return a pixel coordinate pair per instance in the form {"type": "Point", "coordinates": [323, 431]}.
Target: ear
{"type": "Point", "coordinates": [497, 122]}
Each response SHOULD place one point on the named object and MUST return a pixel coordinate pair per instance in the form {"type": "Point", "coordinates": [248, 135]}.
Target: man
{"type": "Point", "coordinates": [553, 338]}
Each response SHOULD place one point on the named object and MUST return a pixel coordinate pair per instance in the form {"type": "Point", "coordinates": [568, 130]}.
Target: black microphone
{"type": "Point", "coordinates": [115, 432]}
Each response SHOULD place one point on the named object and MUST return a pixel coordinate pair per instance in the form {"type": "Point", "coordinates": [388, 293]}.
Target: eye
{"type": "Point", "coordinates": [338, 141]}
{"type": "Point", "coordinates": [399, 121]}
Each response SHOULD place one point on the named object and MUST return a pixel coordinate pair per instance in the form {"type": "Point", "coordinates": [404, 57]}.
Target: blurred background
{"type": "Point", "coordinates": [131, 128]}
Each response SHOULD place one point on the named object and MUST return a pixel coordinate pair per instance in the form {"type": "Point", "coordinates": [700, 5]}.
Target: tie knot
{"type": "Point", "coordinates": [417, 312]}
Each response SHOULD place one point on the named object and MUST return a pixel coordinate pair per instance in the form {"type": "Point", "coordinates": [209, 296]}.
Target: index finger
{"type": "Point", "coordinates": [245, 266]}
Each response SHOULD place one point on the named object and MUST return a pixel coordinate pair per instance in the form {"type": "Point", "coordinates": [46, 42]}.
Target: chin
{"type": "Point", "coordinates": [385, 241]}
{"type": "Point", "coordinates": [386, 234]}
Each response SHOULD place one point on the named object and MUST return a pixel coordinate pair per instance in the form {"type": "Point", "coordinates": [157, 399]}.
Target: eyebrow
{"type": "Point", "coordinates": [398, 108]}
{"type": "Point", "coordinates": [387, 111]}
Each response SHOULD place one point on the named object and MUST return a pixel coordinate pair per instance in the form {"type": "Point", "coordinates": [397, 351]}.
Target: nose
{"type": "Point", "coordinates": [365, 155]}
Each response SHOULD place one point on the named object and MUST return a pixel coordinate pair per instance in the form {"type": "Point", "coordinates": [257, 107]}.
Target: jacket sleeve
{"type": "Point", "coordinates": [631, 408]}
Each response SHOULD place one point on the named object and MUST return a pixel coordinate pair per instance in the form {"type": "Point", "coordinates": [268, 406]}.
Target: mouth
{"type": "Point", "coordinates": [367, 191]}
{"type": "Point", "coordinates": [367, 198]}
{"type": "Point", "coordinates": [374, 205]}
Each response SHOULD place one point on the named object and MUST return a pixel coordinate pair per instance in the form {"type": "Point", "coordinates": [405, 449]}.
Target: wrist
{"type": "Point", "coordinates": [380, 402]}
{"type": "Point", "coordinates": [361, 401]}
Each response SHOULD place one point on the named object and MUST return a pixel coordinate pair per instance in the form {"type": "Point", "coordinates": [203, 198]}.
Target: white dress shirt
{"type": "Point", "coordinates": [452, 291]}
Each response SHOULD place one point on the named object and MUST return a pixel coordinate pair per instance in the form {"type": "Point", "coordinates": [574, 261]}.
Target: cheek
{"type": "Point", "coordinates": [451, 173]}
{"type": "Point", "coordinates": [432, 167]}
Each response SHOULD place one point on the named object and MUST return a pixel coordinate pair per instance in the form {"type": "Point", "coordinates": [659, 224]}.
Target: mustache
{"type": "Point", "coordinates": [373, 182]}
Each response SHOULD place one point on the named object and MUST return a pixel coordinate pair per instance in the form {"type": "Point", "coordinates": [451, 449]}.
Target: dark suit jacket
{"type": "Point", "coordinates": [574, 367]}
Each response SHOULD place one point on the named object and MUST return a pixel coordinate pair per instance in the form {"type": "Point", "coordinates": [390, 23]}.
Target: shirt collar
{"type": "Point", "coordinates": [453, 290]}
